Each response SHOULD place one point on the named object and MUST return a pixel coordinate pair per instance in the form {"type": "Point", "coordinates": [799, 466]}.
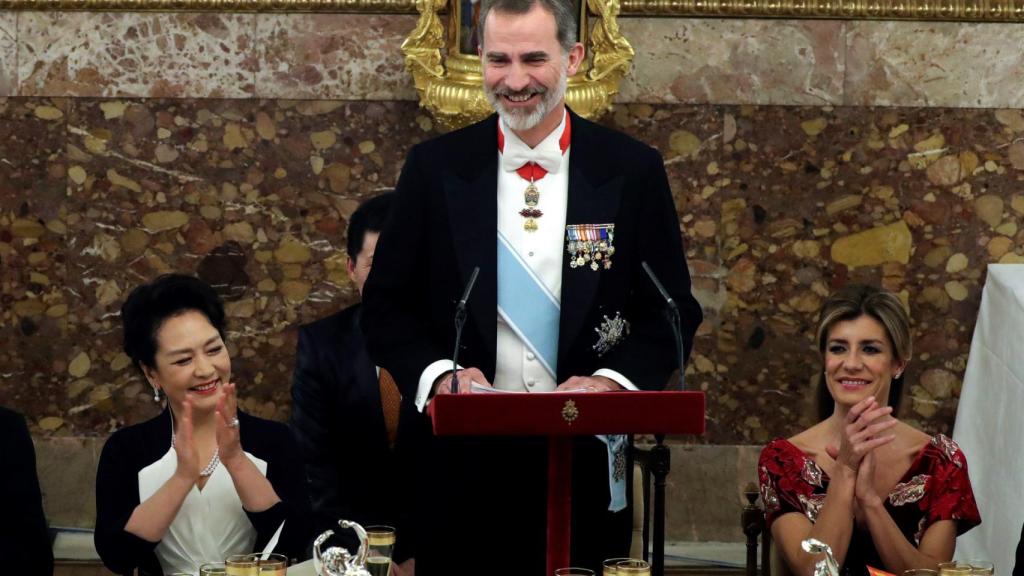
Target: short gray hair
{"type": "Point", "coordinates": [562, 10]}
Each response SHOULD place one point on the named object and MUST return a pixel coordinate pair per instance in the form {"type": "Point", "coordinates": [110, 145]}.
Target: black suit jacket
{"type": "Point", "coordinates": [24, 541]}
{"type": "Point", "coordinates": [339, 427]}
{"type": "Point", "coordinates": [445, 223]}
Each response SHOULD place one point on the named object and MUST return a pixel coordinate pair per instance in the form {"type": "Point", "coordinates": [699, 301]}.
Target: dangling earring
{"type": "Point", "coordinates": [156, 394]}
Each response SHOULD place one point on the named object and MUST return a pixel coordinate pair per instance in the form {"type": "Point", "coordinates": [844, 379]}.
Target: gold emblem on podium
{"type": "Point", "coordinates": [447, 74]}
{"type": "Point", "coordinates": [569, 412]}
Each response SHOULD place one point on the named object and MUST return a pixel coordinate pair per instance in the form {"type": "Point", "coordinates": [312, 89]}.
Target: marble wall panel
{"type": "Point", "coordinates": [935, 64]}
{"type": "Point", "coordinates": [333, 56]}
{"type": "Point", "coordinates": [67, 479]}
{"type": "Point", "coordinates": [8, 53]}
{"type": "Point", "coordinates": [704, 491]}
{"type": "Point", "coordinates": [253, 196]}
{"type": "Point", "coordinates": [733, 61]}
{"type": "Point", "coordinates": [33, 245]}
{"type": "Point", "coordinates": [783, 204]}
{"type": "Point", "coordinates": [358, 57]}
{"type": "Point", "coordinates": [149, 55]}
{"type": "Point", "coordinates": [780, 205]}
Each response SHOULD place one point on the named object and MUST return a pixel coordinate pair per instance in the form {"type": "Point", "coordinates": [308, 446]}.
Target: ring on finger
{"type": "Point", "coordinates": [233, 423]}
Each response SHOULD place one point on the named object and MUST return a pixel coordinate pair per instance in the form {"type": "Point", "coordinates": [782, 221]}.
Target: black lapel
{"type": "Point", "coordinates": [593, 199]}
{"type": "Point", "coordinates": [471, 191]}
{"type": "Point", "coordinates": [365, 372]}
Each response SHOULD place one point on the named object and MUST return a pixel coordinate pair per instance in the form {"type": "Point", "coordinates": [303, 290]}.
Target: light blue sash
{"type": "Point", "coordinates": [533, 313]}
{"type": "Point", "coordinates": [527, 306]}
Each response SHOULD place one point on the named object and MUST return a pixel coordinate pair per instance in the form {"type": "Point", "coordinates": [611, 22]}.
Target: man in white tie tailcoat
{"type": "Point", "coordinates": [558, 213]}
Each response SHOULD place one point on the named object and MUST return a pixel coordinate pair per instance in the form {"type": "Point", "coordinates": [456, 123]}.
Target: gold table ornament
{"type": "Point", "coordinates": [447, 74]}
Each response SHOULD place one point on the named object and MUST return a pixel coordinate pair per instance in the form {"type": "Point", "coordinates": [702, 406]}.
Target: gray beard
{"type": "Point", "coordinates": [519, 121]}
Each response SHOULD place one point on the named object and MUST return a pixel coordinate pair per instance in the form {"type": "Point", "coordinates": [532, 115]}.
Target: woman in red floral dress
{"type": "Point", "coordinates": [878, 491]}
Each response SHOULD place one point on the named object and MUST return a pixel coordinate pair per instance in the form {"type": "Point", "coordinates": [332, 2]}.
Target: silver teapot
{"type": "Point", "coordinates": [337, 561]}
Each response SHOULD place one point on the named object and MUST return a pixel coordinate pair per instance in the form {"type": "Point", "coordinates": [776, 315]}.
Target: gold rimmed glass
{"type": "Point", "coordinates": [381, 542]}
{"type": "Point", "coordinates": [273, 565]}
{"type": "Point", "coordinates": [571, 571]}
{"type": "Point", "coordinates": [954, 569]}
{"type": "Point", "coordinates": [212, 569]}
{"type": "Point", "coordinates": [609, 566]}
{"type": "Point", "coordinates": [920, 572]}
{"type": "Point", "coordinates": [242, 565]}
{"type": "Point", "coordinates": [632, 567]}
{"type": "Point", "coordinates": [981, 568]}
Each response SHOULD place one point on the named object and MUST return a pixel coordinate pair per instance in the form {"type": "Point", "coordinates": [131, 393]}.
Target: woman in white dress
{"type": "Point", "coordinates": [202, 480]}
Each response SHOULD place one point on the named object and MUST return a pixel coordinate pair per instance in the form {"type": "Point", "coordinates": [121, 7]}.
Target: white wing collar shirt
{"type": "Point", "coordinates": [541, 250]}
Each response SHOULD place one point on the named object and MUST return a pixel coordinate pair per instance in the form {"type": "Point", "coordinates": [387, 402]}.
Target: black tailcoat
{"type": "Point", "coordinates": [444, 224]}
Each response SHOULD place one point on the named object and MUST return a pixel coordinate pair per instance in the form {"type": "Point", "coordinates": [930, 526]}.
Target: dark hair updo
{"type": "Point", "coordinates": [150, 305]}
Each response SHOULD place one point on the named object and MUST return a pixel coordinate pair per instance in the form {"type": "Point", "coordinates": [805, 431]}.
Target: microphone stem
{"type": "Point", "coordinates": [460, 320]}
{"type": "Point", "coordinates": [677, 331]}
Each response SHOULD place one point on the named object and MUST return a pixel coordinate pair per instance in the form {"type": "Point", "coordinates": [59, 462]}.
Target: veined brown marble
{"type": "Point", "coordinates": [333, 57]}
{"type": "Point", "coordinates": [779, 205]}
{"type": "Point", "coordinates": [149, 55]}
{"type": "Point", "coordinates": [33, 246]}
{"type": "Point", "coordinates": [727, 61]}
{"type": "Point", "coordinates": [8, 53]}
{"type": "Point", "coordinates": [253, 196]}
{"type": "Point", "coordinates": [935, 64]}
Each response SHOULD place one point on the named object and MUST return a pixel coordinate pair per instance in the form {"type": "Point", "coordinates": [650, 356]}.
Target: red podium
{"type": "Point", "coordinates": [560, 416]}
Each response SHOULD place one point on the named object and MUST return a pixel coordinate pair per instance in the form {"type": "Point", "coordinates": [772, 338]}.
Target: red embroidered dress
{"type": "Point", "coordinates": [936, 487]}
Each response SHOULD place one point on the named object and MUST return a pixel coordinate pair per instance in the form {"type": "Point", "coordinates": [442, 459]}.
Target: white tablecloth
{"type": "Point", "coordinates": [990, 419]}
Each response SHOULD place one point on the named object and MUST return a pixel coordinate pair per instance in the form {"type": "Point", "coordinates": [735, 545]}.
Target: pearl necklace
{"type": "Point", "coordinates": [214, 461]}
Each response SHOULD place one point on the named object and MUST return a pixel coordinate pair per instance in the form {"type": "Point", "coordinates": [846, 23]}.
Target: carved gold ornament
{"type": "Point", "coordinates": [953, 10]}
{"type": "Point", "coordinates": [570, 412]}
{"type": "Point", "coordinates": [451, 87]}
{"type": "Point", "coordinates": [950, 10]}
{"type": "Point", "coordinates": [224, 6]}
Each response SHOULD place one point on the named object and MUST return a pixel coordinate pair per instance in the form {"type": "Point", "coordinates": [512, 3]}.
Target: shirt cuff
{"type": "Point", "coordinates": [619, 378]}
{"type": "Point", "coordinates": [427, 378]}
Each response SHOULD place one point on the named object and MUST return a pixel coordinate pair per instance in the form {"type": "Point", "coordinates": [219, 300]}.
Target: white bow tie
{"type": "Point", "coordinates": [547, 155]}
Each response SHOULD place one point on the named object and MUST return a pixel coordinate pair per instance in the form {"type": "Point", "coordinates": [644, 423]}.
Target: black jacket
{"type": "Point", "coordinates": [131, 449]}
{"type": "Point", "coordinates": [339, 427]}
{"type": "Point", "coordinates": [24, 541]}
{"type": "Point", "coordinates": [445, 222]}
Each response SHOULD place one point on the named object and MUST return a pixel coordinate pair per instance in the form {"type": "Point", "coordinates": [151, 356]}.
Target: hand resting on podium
{"type": "Point", "coordinates": [466, 376]}
{"type": "Point", "coordinates": [589, 384]}
{"type": "Point", "coordinates": [472, 380]}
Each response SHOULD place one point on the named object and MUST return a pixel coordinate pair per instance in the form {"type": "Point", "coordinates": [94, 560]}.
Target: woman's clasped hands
{"type": "Point", "coordinates": [868, 427]}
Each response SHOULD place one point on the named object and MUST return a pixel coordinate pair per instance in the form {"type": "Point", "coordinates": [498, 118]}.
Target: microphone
{"type": "Point", "coordinates": [460, 320]}
{"type": "Point", "coordinates": [672, 314]}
